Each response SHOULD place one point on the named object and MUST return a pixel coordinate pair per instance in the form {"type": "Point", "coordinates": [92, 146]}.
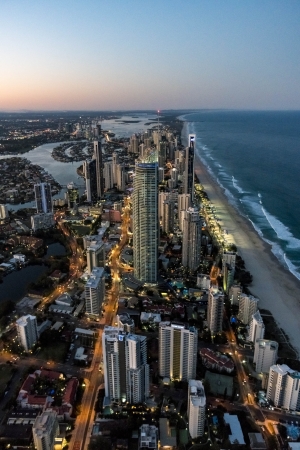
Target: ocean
{"type": "Point", "coordinates": [255, 157]}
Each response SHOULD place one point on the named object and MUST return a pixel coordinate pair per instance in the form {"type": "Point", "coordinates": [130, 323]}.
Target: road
{"type": "Point", "coordinates": [93, 377]}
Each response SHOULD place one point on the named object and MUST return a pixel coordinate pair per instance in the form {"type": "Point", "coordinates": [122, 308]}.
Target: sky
{"type": "Point", "coordinates": [149, 54]}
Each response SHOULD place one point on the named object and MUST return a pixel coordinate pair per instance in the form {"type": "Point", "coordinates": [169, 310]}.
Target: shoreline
{"type": "Point", "coordinates": [277, 289]}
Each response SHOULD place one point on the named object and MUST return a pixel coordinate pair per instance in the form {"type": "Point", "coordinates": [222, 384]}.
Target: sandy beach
{"type": "Point", "coordinates": [277, 289]}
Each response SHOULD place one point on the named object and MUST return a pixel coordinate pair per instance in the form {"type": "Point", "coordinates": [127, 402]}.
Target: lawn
{"type": "Point", "coordinates": [6, 372]}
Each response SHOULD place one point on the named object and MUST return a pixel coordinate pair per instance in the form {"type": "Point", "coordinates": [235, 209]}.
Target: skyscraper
{"type": "Point", "coordinates": [257, 328]}
{"type": "Point", "coordinates": [145, 221]}
{"type": "Point", "coordinates": [90, 175]}
{"type": "Point", "coordinates": [43, 198]}
{"type": "Point", "coordinates": [265, 355]}
{"type": "Point", "coordinates": [247, 307]}
{"type": "Point", "coordinates": [126, 372]}
{"type": "Point", "coordinates": [188, 187]}
{"type": "Point", "coordinates": [177, 351]}
{"type": "Point", "coordinates": [95, 291]}
{"type": "Point", "coordinates": [27, 331]}
{"type": "Point", "coordinates": [215, 310]}
{"type": "Point", "coordinates": [284, 387]}
{"type": "Point", "coordinates": [95, 255]}
{"type": "Point", "coordinates": [99, 168]}
{"type": "Point", "coordinates": [196, 408]}
{"type": "Point", "coordinates": [191, 239]}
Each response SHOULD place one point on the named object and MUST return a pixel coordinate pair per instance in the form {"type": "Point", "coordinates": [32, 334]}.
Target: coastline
{"type": "Point", "coordinates": [277, 289]}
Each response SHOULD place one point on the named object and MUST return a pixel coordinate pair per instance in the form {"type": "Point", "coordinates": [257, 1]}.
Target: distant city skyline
{"type": "Point", "coordinates": [98, 55]}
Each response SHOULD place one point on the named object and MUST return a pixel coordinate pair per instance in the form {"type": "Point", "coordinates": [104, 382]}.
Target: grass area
{"type": "Point", "coordinates": [183, 436]}
{"type": "Point", "coordinates": [6, 372]}
{"type": "Point", "coordinates": [54, 351]}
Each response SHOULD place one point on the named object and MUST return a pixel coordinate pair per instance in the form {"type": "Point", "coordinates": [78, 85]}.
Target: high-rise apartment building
{"type": "Point", "coordinates": [126, 372]}
{"type": "Point", "coordinates": [257, 328]}
{"type": "Point", "coordinates": [134, 144]}
{"type": "Point", "coordinates": [3, 212]}
{"type": "Point", "coordinates": [27, 331]}
{"type": "Point", "coordinates": [162, 197]}
{"type": "Point", "coordinates": [45, 430]}
{"type": "Point", "coordinates": [99, 168]}
{"type": "Point", "coordinates": [196, 408]}
{"type": "Point", "coordinates": [177, 351]}
{"type": "Point", "coordinates": [43, 198]}
{"type": "Point", "coordinates": [191, 239]}
{"type": "Point", "coordinates": [95, 291]}
{"type": "Point", "coordinates": [167, 221]}
{"type": "Point", "coordinates": [284, 387]}
{"type": "Point", "coordinates": [265, 355]}
{"type": "Point", "coordinates": [145, 221]}
{"type": "Point", "coordinates": [188, 186]}
{"type": "Point", "coordinates": [108, 175]}
{"type": "Point", "coordinates": [95, 255]}
{"type": "Point", "coordinates": [215, 311]}
{"type": "Point", "coordinates": [90, 175]}
{"type": "Point", "coordinates": [228, 258]}
{"type": "Point", "coordinates": [247, 307]}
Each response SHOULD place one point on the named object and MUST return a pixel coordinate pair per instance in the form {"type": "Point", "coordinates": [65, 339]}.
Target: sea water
{"type": "Point", "coordinates": [255, 157]}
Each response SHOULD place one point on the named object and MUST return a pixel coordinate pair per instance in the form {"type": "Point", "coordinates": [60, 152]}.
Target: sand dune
{"type": "Point", "coordinates": [277, 289]}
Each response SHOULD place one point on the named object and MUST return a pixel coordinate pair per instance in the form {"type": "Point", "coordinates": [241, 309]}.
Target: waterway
{"type": "Point", "coordinates": [56, 249]}
{"type": "Point", "coordinates": [14, 286]}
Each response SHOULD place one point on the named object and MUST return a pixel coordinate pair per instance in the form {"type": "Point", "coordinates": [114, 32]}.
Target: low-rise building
{"type": "Point", "coordinates": [216, 361]}
{"type": "Point", "coordinates": [148, 437]}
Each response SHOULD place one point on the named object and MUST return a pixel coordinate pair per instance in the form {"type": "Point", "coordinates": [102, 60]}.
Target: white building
{"type": "Point", "coordinates": [265, 355]}
{"type": "Point", "coordinates": [27, 331]}
{"type": "Point", "coordinates": [215, 311]}
{"type": "Point", "coordinates": [95, 255]}
{"type": "Point", "coordinates": [126, 372]}
{"type": "Point", "coordinates": [148, 437]}
{"type": "Point", "coordinates": [178, 346]}
{"type": "Point", "coordinates": [203, 281]}
{"type": "Point", "coordinates": [284, 387]}
{"type": "Point", "coordinates": [95, 291]}
{"type": "Point", "coordinates": [257, 328]}
{"type": "Point", "coordinates": [45, 430]}
{"type": "Point", "coordinates": [191, 239]}
{"type": "Point", "coordinates": [196, 408]}
{"type": "Point", "coordinates": [184, 203]}
{"type": "Point", "coordinates": [42, 221]}
{"type": "Point", "coordinates": [247, 307]}
{"type": "Point", "coordinates": [234, 294]}
{"type": "Point", "coordinates": [3, 212]}
{"type": "Point", "coordinates": [228, 258]}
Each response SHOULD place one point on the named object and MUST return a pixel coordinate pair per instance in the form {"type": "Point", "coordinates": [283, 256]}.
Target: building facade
{"type": "Point", "coordinates": [27, 331]}
{"type": "Point", "coordinates": [145, 222]}
{"type": "Point", "coordinates": [265, 355]}
{"type": "Point", "coordinates": [99, 168]}
{"type": "Point", "coordinates": [284, 387]}
{"type": "Point", "coordinates": [95, 291]}
{"type": "Point", "coordinates": [191, 239]}
{"type": "Point", "coordinates": [126, 372]}
{"type": "Point", "coordinates": [196, 408]}
{"type": "Point", "coordinates": [43, 198]}
{"type": "Point", "coordinates": [215, 311]}
{"type": "Point", "coordinates": [45, 430]}
{"type": "Point", "coordinates": [247, 307]}
{"type": "Point", "coordinates": [257, 328]}
{"type": "Point", "coordinates": [95, 255]}
{"type": "Point", "coordinates": [178, 346]}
